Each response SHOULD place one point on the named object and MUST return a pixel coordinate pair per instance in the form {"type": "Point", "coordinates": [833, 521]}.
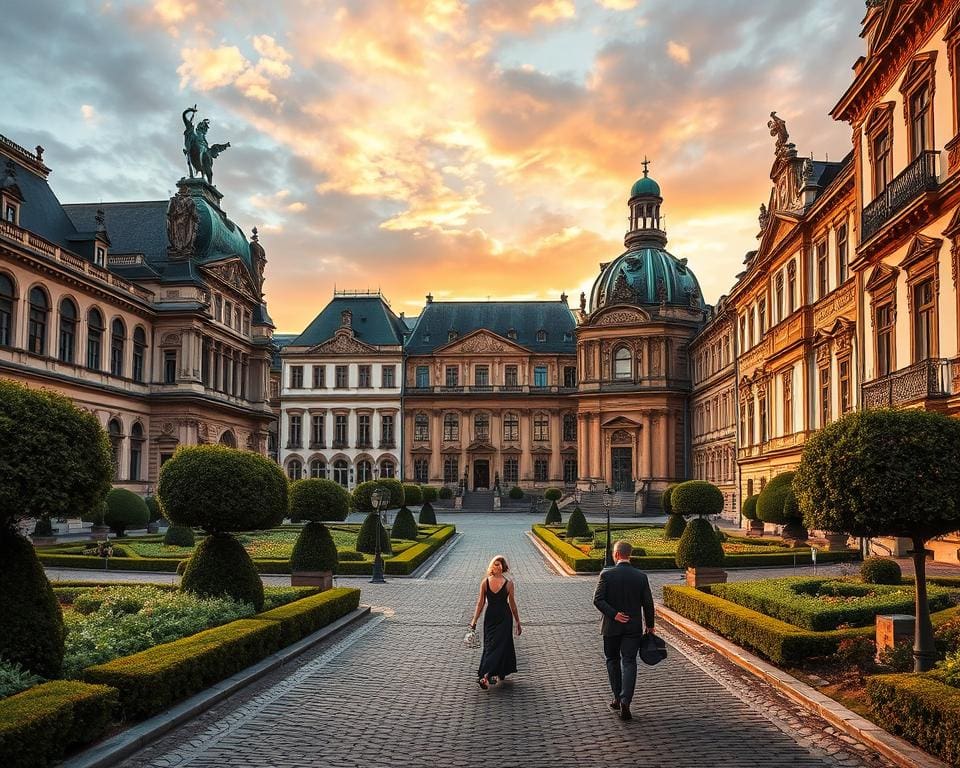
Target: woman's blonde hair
{"type": "Point", "coordinates": [503, 562]}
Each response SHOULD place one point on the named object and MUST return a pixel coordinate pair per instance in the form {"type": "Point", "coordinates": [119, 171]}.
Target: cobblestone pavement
{"type": "Point", "coordinates": [399, 690]}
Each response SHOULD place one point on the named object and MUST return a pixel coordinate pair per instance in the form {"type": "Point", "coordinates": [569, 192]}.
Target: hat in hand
{"type": "Point", "coordinates": [653, 649]}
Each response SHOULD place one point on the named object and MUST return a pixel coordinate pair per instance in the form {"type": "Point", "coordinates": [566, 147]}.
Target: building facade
{"type": "Point", "coordinates": [148, 314]}
{"type": "Point", "coordinates": [340, 393]}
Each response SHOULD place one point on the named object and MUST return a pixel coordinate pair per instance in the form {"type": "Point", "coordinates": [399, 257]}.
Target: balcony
{"type": "Point", "coordinates": [488, 389]}
{"type": "Point", "coordinates": [918, 177]}
{"type": "Point", "coordinates": [926, 379]}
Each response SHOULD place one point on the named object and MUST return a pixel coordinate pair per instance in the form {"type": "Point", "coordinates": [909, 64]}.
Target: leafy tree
{"type": "Point", "coordinates": [221, 566]}
{"type": "Point", "coordinates": [553, 494]}
{"type": "Point", "coordinates": [429, 493]}
{"type": "Point", "coordinates": [179, 536]}
{"type": "Point", "coordinates": [318, 499]}
{"type": "Point", "coordinates": [696, 497]}
{"type": "Point", "coordinates": [362, 494]}
{"type": "Point", "coordinates": [777, 504]}
{"type": "Point", "coordinates": [676, 525]}
{"type": "Point", "coordinates": [886, 473]}
{"type": "Point", "coordinates": [125, 509]}
{"type": "Point", "coordinates": [156, 511]}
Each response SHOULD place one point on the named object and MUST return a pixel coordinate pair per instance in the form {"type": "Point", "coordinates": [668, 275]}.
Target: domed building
{"type": "Point", "coordinates": [645, 307]}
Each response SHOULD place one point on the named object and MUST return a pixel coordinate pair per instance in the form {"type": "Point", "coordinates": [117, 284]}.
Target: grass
{"type": "Point", "coordinates": [651, 540]}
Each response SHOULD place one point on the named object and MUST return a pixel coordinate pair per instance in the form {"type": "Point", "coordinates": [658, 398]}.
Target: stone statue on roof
{"type": "Point", "coordinates": [778, 129]}
{"type": "Point", "coordinates": [200, 154]}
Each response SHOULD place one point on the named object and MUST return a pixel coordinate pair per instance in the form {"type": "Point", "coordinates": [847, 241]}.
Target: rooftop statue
{"type": "Point", "coordinates": [778, 129]}
{"type": "Point", "coordinates": [200, 155]}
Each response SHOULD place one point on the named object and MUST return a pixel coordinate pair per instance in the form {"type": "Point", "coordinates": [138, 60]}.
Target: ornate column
{"type": "Point", "coordinates": [583, 446]}
{"type": "Point", "coordinates": [672, 470]}
{"type": "Point", "coordinates": [596, 446]}
{"type": "Point", "coordinates": [646, 460]}
{"type": "Point", "coordinates": [659, 428]}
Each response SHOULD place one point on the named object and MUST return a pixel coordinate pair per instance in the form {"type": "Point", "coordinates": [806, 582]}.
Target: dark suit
{"type": "Point", "coordinates": [623, 589]}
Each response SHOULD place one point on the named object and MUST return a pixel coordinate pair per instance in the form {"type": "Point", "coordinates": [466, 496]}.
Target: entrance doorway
{"type": "Point", "coordinates": [481, 474]}
{"type": "Point", "coordinates": [622, 461]}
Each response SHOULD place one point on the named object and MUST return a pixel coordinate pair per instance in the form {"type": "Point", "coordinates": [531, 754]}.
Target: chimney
{"type": "Point", "coordinates": [429, 298]}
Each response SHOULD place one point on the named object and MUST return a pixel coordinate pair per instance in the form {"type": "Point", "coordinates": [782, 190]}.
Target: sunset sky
{"type": "Point", "coordinates": [469, 148]}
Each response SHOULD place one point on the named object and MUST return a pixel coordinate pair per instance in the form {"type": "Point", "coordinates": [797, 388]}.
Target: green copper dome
{"type": "Point", "coordinates": [645, 186]}
{"type": "Point", "coordinates": [646, 275]}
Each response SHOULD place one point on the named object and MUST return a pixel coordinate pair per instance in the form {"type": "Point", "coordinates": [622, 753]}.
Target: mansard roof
{"type": "Point", "coordinates": [372, 322]}
{"type": "Point", "coordinates": [518, 321]}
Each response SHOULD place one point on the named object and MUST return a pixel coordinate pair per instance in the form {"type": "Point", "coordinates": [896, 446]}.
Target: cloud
{"type": "Point", "coordinates": [89, 113]}
{"type": "Point", "coordinates": [618, 5]}
{"type": "Point", "coordinates": [679, 53]}
{"type": "Point", "coordinates": [207, 68]}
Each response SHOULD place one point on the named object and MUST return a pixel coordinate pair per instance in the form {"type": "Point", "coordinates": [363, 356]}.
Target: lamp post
{"type": "Point", "coordinates": [607, 504]}
{"type": "Point", "coordinates": [378, 499]}
{"type": "Point", "coordinates": [577, 495]}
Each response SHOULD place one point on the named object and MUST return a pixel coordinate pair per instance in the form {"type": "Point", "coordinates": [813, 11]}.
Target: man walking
{"type": "Point", "coordinates": [621, 596]}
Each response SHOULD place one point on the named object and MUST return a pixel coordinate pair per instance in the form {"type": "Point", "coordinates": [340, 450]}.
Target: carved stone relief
{"type": "Point", "coordinates": [183, 222]}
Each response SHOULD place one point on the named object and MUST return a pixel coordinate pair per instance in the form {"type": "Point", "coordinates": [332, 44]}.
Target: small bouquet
{"type": "Point", "coordinates": [471, 639]}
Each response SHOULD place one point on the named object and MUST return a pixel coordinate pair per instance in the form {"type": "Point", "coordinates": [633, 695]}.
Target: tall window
{"type": "Point", "coordinates": [95, 330]}
{"type": "Point", "coordinates": [67, 338]}
{"type": "Point", "coordinates": [924, 320]}
{"type": "Point", "coordinates": [169, 366]}
{"type": "Point", "coordinates": [340, 430]}
{"type": "Point", "coordinates": [843, 382]}
{"type": "Point", "coordinates": [882, 162]}
{"type": "Point", "coordinates": [318, 469]}
{"type": "Point", "coordinates": [364, 471]}
{"type": "Point", "coordinates": [386, 431]}
{"type": "Point", "coordinates": [778, 296]}
{"type": "Point", "coordinates": [388, 376]}
{"type": "Point", "coordinates": [341, 473]}
{"type": "Point", "coordinates": [791, 287]}
{"type": "Point", "coordinates": [136, 451]}
{"type": "Point", "coordinates": [481, 376]}
{"type": "Point", "coordinates": [117, 343]}
{"type": "Point", "coordinates": [341, 377]}
{"type": "Point", "coordinates": [6, 311]}
{"type": "Point", "coordinates": [843, 255]}
{"type": "Point", "coordinates": [884, 325]}
{"type": "Point", "coordinates": [921, 120]}
{"type": "Point", "coordinates": [294, 469]}
{"type": "Point", "coordinates": [451, 428]}
{"type": "Point", "coordinates": [115, 435]}
{"type": "Point", "coordinates": [39, 307]}
{"type": "Point", "coordinates": [364, 376]}
{"type": "Point", "coordinates": [569, 376]}
{"type": "Point", "coordinates": [452, 376]}
{"type": "Point", "coordinates": [363, 431]}
{"type": "Point", "coordinates": [743, 332]}
{"type": "Point", "coordinates": [451, 469]}
{"type": "Point", "coordinates": [788, 403]}
{"type": "Point", "coordinates": [481, 427]}
{"type": "Point", "coordinates": [511, 471]}
{"type": "Point", "coordinates": [763, 420]}
{"type": "Point", "coordinates": [317, 430]}
{"type": "Point", "coordinates": [541, 427]}
{"type": "Point", "coordinates": [421, 471]}
{"type": "Point", "coordinates": [569, 471]}
{"type": "Point", "coordinates": [295, 431]}
{"type": "Point", "coordinates": [387, 469]}
{"type": "Point", "coordinates": [319, 376]}
{"type": "Point", "coordinates": [139, 352]}
{"type": "Point", "coordinates": [540, 376]}
{"type": "Point", "coordinates": [762, 316]}
{"type": "Point", "coordinates": [511, 427]}
{"type": "Point", "coordinates": [569, 427]}
{"type": "Point", "coordinates": [510, 378]}
{"type": "Point", "coordinates": [296, 377]}
{"type": "Point", "coordinates": [421, 427]}
{"type": "Point", "coordinates": [540, 471]}
{"type": "Point", "coordinates": [623, 364]}
{"type": "Point", "coordinates": [824, 396]}
{"type": "Point", "coordinates": [423, 376]}
{"type": "Point", "coordinates": [822, 276]}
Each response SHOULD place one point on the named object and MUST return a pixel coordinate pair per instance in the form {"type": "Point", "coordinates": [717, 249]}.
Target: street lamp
{"type": "Point", "coordinates": [378, 499]}
{"type": "Point", "coordinates": [607, 504]}
{"type": "Point", "coordinates": [577, 495]}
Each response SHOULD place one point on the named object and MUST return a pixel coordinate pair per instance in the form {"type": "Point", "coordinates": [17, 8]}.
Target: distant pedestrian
{"type": "Point", "coordinates": [499, 656]}
{"type": "Point", "coordinates": [623, 597]}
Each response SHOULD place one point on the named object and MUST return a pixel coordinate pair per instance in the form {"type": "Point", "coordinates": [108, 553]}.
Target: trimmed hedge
{"type": "Point", "coordinates": [749, 507]}
{"type": "Point", "coordinates": [572, 556]}
{"type": "Point", "coordinates": [410, 559]}
{"type": "Point", "coordinates": [299, 619]}
{"type": "Point", "coordinates": [125, 509]}
{"type": "Point", "coordinates": [676, 525]}
{"type": "Point", "coordinates": [38, 725]}
{"type": "Point", "coordinates": [404, 525]}
{"type": "Point", "coordinates": [314, 550]}
{"type": "Point", "coordinates": [881, 570]}
{"type": "Point", "coordinates": [516, 492]}
{"type": "Point", "coordinates": [699, 545]}
{"type": "Point", "coordinates": [179, 536]}
{"type": "Point", "coordinates": [221, 566]}
{"type": "Point", "coordinates": [696, 497]}
{"type": "Point", "coordinates": [553, 494]}
{"type": "Point", "coordinates": [412, 495]}
{"type": "Point", "coordinates": [429, 493]}
{"type": "Point", "coordinates": [315, 498]}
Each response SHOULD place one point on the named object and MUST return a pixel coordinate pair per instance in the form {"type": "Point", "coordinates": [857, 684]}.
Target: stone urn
{"type": "Point", "coordinates": [755, 528]}
{"type": "Point", "coordinates": [321, 579]}
{"type": "Point", "coordinates": [702, 576]}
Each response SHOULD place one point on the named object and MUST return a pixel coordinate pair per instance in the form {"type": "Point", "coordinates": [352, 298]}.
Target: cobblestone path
{"type": "Point", "coordinates": [398, 690]}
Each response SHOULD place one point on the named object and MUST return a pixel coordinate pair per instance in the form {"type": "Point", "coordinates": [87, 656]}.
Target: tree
{"type": "Point", "coordinates": [318, 499]}
{"type": "Point", "coordinates": [125, 509]}
{"type": "Point", "coordinates": [696, 497]}
{"type": "Point", "coordinates": [886, 473]}
{"type": "Point", "coordinates": [412, 495]}
{"type": "Point", "coordinates": [577, 527]}
{"type": "Point", "coordinates": [749, 507]}
{"type": "Point", "coordinates": [314, 550]}
{"type": "Point", "coordinates": [777, 504]}
{"type": "Point", "coordinates": [367, 537]}
{"type": "Point", "coordinates": [665, 499]}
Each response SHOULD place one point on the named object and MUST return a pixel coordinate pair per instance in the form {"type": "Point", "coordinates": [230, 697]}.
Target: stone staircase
{"type": "Point", "coordinates": [592, 504]}
{"type": "Point", "coordinates": [478, 501]}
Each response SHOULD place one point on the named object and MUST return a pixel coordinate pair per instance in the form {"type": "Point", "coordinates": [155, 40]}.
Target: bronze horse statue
{"type": "Point", "coordinates": [200, 155]}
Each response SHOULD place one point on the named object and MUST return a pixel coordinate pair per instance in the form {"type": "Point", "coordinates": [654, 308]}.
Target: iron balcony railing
{"type": "Point", "coordinates": [918, 177]}
{"type": "Point", "coordinates": [928, 378]}
{"type": "Point", "coordinates": [486, 389]}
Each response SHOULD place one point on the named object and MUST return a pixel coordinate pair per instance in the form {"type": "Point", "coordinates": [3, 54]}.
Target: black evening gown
{"type": "Point", "coordinates": [499, 656]}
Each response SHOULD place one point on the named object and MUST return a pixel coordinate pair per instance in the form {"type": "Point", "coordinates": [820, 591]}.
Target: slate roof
{"type": "Point", "coordinates": [374, 322]}
{"type": "Point", "coordinates": [41, 211]}
{"type": "Point", "coordinates": [524, 317]}
{"type": "Point", "coordinates": [280, 340]}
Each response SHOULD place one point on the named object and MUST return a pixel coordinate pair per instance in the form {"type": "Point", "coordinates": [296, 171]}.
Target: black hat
{"type": "Point", "coordinates": [653, 649]}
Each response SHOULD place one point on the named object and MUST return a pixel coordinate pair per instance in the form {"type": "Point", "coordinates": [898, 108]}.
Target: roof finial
{"type": "Point", "coordinates": [645, 163]}
{"type": "Point", "coordinates": [101, 220]}
{"type": "Point", "coordinates": [255, 237]}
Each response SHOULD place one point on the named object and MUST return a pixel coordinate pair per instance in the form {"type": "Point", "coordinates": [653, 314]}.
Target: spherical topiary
{"type": "Point", "coordinates": [33, 629]}
{"type": "Point", "coordinates": [777, 504]}
{"type": "Point", "coordinates": [366, 539]}
{"type": "Point", "coordinates": [221, 566]}
{"type": "Point", "coordinates": [412, 495]}
{"type": "Point", "coordinates": [696, 497]}
{"type": "Point", "coordinates": [553, 515]}
{"type": "Point", "coordinates": [553, 494]}
{"type": "Point", "coordinates": [699, 546]}
{"type": "Point", "coordinates": [314, 550]}
{"type": "Point", "coordinates": [577, 527]}
{"type": "Point", "coordinates": [516, 492]}
{"type": "Point", "coordinates": [676, 525]}
{"type": "Point", "coordinates": [428, 492]}
{"type": "Point", "coordinates": [154, 507]}
{"type": "Point", "coordinates": [445, 492]}
{"type": "Point", "coordinates": [222, 489]}
{"type": "Point", "coordinates": [880, 570]}
{"type": "Point", "coordinates": [665, 499]}
{"type": "Point", "coordinates": [749, 507]}
{"type": "Point", "coordinates": [427, 515]}
{"type": "Point", "coordinates": [404, 526]}
{"type": "Point", "coordinates": [362, 494]}
{"type": "Point", "coordinates": [179, 536]}
{"type": "Point", "coordinates": [125, 509]}
{"type": "Point", "coordinates": [318, 499]}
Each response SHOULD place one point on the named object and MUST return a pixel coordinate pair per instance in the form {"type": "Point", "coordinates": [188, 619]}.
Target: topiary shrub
{"type": "Point", "coordinates": [221, 566]}
{"type": "Point", "coordinates": [179, 536]}
{"type": "Point", "coordinates": [318, 499]}
{"type": "Point", "coordinates": [446, 492]}
{"type": "Point", "coordinates": [155, 509]}
{"type": "Point", "coordinates": [412, 495]}
{"type": "Point", "coordinates": [699, 546]}
{"type": "Point", "coordinates": [777, 504]}
{"type": "Point", "coordinates": [880, 570]}
{"type": "Point", "coordinates": [553, 494]}
{"type": "Point", "coordinates": [696, 497]}
{"type": "Point", "coordinates": [314, 550]}
{"type": "Point", "coordinates": [427, 515]}
{"type": "Point", "coordinates": [577, 525]}
{"type": "Point", "coordinates": [366, 539]}
{"type": "Point", "coordinates": [676, 525]}
{"type": "Point", "coordinates": [553, 515]}
{"type": "Point", "coordinates": [349, 555]}
{"type": "Point", "coordinates": [43, 528]}
{"type": "Point", "coordinates": [363, 492]}
{"type": "Point", "coordinates": [516, 492]}
{"type": "Point", "coordinates": [665, 501]}
{"type": "Point", "coordinates": [429, 493]}
{"type": "Point", "coordinates": [404, 526]}
{"type": "Point", "coordinates": [125, 509]}
{"type": "Point", "coordinates": [33, 629]}
{"type": "Point", "coordinates": [749, 507]}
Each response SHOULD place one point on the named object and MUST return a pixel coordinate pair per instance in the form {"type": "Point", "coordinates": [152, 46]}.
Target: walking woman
{"type": "Point", "coordinates": [499, 657]}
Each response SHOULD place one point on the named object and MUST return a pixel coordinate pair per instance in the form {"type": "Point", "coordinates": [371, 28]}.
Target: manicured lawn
{"type": "Point", "coordinates": [651, 540]}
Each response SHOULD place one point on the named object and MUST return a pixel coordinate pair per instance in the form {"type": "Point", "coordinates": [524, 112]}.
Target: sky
{"type": "Point", "coordinates": [465, 148]}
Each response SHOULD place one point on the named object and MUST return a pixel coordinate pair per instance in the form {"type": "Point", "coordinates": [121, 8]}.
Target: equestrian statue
{"type": "Point", "coordinates": [200, 155]}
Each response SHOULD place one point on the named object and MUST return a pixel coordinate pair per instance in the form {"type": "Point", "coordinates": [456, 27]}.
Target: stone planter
{"type": "Point", "coordinates": [700, 577]}
{"type": "Point", "coordinates": [100, 531]}
{"type": "Point", "coordinates": [755, 528]}
{"type": "Point", "coordinates": [322, 579]}
{"type": "Point", "coordinates": [836, 542]}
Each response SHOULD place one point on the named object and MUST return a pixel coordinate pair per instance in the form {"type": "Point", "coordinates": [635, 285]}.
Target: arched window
{"type": "Point", "coordinates": [115, 434]}
{"type": "Point", "coordinates": [623, 364]}
{"type": "Point", "coordinates": [7, 312]}
{"type": "Point", "coordinates": [95, 330]}
{"type": "Point", "coordinates": [451, 428]}
{"type": "Point", "coordinates": [481, 427]}
{"type": "Point", "coordinates": [364, 471]}
{"type": "Point", "coordinates": [569, 427]}
{"type": "Point", "coordinates": [118, 339]}
{"type": "Point", "coordinates": [388, 468]}
{"type": "Point", "coordinates": [39, 307]}
{"type": "Point", "coordinates": [341, 473]}
{"type": "Point", "coordinates": [421, 427]}
{"type": "Point", "coordinates": [318, 468]}
{"type": "Point", "coordinates": [511, 427]}
{"type": "Point", "coordinates": [294, 469]}
{"type": "Point", "coordinates": [228, 439]}
{"type": "Point", "coordinates": [136, 451]}
{"type": "Point", "coordinates": [139, 352]}
{"type": "Point", "coordinates": [67, 338]}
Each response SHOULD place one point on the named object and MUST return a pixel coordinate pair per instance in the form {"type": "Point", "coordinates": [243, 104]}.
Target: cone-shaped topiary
{"type": "Point", "coordinates": [665, 501]}
{"type": "Point", "coordinates": [777, 504]}
{"type": "Point", "coordinates": [553, 494]}
{"type": "Point", "coordinates": [125, 509]}
{"type": "Point", "coordinates": [318, 499]}
{"type": "Point", "coordinates": [749, 507]}
{"type": "Point", "coordinates": [363, 492]}
{"type": "Point", "coordinates": [179, 536]}
{"type": "Point", "coordinates": [32, 621]}
{"type": "Point", "coordinates": [412, 495]}
{"type": "Point", "coordinates": [366, 539]}
{"type": "Point", "coordinates": [404, 526]}
{"type": "Point", "coordinates": [315, 550]}
{"type": "Point", "coordinates": [553, 515]}
{"type": "Point", "coordinates": [221, 566]}
{"type": "Point", "coordinates": [427, 515]}
{"type": "Point", "coordinates": [699, 546]}
{"type": "Point", "coordinates": [428, 492]}
{"type": "Point", "coordinates": [676, 525]}
{"type": "Point", "coordinates": [577, 527]}
{"type": "Point", "coordinates": [696, 497]}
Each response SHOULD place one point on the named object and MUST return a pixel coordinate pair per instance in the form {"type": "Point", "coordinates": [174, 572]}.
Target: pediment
{"type": "Point", "coordinates": [234, 273]}
{"type": "Point", "coordinates": [481, 341]}
{"type": "Point", "coordinates": [881, 275]}
{"type": "Point", "coordinates": [481, 447]}
{"type": "Point", "coordinates": [343, 343]}
{"type": "Point", "coordinates": [953, 228]}
{"type": "Point", "coordinates": [421, 450]}
{"type": "Point", "coordinates": [621, 422]}
{"type": "Point", "coordinates": [892, 14]}
{"type": "Point", "coordinates": [920, 68]}
{"type": "Point", "coordinates": [620, 315]}
{"type": "Point", "coordinates": [878, 116]}
{"type": "Point", "coordinates": [920, 248]}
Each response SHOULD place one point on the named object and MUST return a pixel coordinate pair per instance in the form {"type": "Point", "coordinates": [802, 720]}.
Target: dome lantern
{"type": "Point", "coordinates": [645, 226]}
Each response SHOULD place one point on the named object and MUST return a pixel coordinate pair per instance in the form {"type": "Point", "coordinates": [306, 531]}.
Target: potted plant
{"type": "Point", "coordinates": [749, 512]}
{"type": "Point", "coordinates": [314, 560]}
{"type": "Point", "coordinates": [700, 550]}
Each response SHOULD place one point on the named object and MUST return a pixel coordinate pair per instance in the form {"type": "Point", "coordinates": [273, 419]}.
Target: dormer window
{"type": "Point", "coordinates": [10, 212]}
{"type": "Point", "coordinates": [512, 333]}
{"type": "Point", "coordinates": [100, 256]}
{"type": "Point", "coordinates": [451, 335]}
{"type": "Point", "coordinates": [541, 336]}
